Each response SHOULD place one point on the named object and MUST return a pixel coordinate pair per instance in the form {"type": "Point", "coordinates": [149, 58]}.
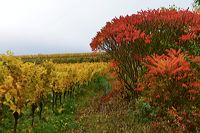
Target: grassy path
{"type": "Point", "coordinates": [113, 116]}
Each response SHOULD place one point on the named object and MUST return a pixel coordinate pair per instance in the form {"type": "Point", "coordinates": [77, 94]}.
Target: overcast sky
{"type": "Point", "coordinates": [63, 26]}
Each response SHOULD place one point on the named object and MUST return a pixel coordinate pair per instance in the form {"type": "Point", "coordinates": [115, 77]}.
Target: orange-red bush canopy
{"type": "Point", "coordinates": [127, 29]}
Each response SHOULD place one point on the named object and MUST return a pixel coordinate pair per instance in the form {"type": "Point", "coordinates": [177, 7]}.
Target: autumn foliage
{"type": "Point", "coordinates": [156, 54]}
{"type": "Point", "coordinates": [129, 39]}
{"type": "Point", "coordinates": [173, 86]}
{"type": "Point", "coordinates": [172, 65]}
{"type": "Point", "coordinates": [161, 27]}
{"type": "Point", "coordinates": [171, 77]}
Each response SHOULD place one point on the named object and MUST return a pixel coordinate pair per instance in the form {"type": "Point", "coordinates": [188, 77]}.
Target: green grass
{"type": "Point", "coordinates": [59, 121]}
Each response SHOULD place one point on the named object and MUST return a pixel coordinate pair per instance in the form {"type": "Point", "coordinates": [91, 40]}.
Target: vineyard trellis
{"type": "Point", "coordinates": [27, 85]}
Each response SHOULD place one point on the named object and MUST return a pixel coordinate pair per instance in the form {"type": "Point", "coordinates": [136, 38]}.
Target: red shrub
{"type": "Point", "coordinates": [131, 38]}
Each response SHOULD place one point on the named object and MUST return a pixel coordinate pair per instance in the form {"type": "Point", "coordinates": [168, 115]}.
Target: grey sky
{"type": "Point", "coordinates": [63, 26]}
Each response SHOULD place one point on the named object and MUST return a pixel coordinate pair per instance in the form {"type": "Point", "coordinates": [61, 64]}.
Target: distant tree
{"type": "Point", "coordinates": [196, 5]}
{"type": "Point", "coordinates": [197, 2]}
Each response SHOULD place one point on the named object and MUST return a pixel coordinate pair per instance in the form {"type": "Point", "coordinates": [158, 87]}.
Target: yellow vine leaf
{"type": "Point", "coordinates": [8, 97]}
{"type": "Point", "coordinates": [13, 107]}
